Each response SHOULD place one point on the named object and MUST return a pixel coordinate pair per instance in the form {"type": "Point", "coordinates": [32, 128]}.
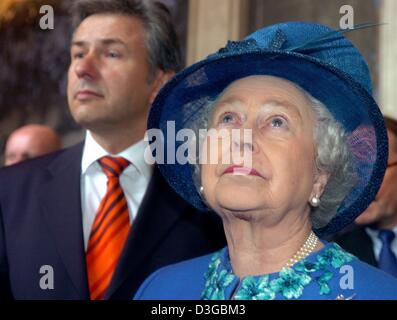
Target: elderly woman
{"type": "Point", "coordinates": [318, 151]}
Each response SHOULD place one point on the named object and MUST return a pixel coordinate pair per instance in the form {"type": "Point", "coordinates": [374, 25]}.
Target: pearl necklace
{"type": "Point", "coordinates": [306, 249]}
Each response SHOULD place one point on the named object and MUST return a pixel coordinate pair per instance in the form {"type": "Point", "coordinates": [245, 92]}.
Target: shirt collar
{"type": "Point", "coordinates": [373, 233]}
{"type": "Point", "coordinates": [135, 154]}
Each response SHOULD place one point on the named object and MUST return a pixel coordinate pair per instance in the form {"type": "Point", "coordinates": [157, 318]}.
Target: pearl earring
{"type": "Point", "coordinates": [201, 189]}
{"type": "Point", "coordinates": [315, 201]}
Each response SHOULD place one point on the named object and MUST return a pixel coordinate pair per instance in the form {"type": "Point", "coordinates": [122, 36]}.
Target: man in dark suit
{"type": "Point", "coordinates": [93, 221]}
{"type": "Point", "coordinates": [373, 239]}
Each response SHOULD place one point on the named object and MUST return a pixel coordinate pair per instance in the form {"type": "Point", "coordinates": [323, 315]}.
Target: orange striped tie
{"type": "Point", "coordinates": [109, 230]}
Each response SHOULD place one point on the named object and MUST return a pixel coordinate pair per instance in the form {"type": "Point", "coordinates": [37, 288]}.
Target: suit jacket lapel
{"type": "Point", "coordinates": [156, 216]}
{"type": "Point", "coordinates": [61, 201]}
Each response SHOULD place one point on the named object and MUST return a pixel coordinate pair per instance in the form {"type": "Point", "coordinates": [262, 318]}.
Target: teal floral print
{"type": "Point", "coordinates": [334, 256]}
{"type": "Point", "coordinates": [213, 266]}
{"type": "Point", "coordinates": [255, 289]}
{"type": "Point", "coordinates": [306, 266]}
{"type": "Point", "coordinates": [323, 281]}
{"type": "Point", "coordinates": [215, 283]}
{"type": "Point", "coordinates": [289, 283]}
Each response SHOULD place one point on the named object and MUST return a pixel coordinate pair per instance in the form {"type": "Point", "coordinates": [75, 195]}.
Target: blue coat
{"type": "Point", "coordinates": [331, 273]}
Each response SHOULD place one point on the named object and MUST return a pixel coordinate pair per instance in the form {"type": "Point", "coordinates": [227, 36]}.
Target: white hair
{"type": "Point", "coordinates": [333, 157]}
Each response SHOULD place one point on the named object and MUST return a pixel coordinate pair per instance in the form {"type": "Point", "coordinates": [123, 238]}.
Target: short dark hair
{"type": "Point", "coordinates": [160, 36]}
{"type": "Point", "coordinates": [391, 125]}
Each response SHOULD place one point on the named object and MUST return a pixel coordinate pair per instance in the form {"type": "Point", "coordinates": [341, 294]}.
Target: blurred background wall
{"type": "Point", "coordinates": [34, 62]}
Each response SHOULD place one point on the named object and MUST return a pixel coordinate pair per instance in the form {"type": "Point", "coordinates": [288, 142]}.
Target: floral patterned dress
{"type": "Point", "coordinates": [309, 277]}
{"type": "Point", "coordinates": [328, 274]}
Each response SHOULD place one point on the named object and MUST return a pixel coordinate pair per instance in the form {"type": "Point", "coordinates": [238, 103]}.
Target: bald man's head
{"type": "Point", "coordinates": [30, 141]}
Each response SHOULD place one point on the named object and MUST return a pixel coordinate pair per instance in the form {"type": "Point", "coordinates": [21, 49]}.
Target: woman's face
{"type": "Point", "coordinates": [282, 176]}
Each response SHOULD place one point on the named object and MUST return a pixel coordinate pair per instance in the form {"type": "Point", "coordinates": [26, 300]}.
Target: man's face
{"type": "Point", "coordinates": [108, 85]}
{"type": "Point", "coordinates": [27, 143]}
{"type": "Point", "coordinates": [20, 148]}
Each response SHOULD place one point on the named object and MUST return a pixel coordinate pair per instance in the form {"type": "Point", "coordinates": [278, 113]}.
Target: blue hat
{"type": "Point", "coordinates": [321, 61]}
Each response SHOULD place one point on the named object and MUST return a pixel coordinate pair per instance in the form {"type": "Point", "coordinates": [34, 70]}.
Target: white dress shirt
{"type": "Point", "coordinates": [133, 180]}
{"type": "Point", "coordinates": [377, 243]}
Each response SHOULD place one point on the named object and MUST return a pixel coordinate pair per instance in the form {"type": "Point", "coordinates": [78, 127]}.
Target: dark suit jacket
{"type": "Point", "coordinates": [41, 225]}
{"type": "Point", "coordinates": [358, 243]}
